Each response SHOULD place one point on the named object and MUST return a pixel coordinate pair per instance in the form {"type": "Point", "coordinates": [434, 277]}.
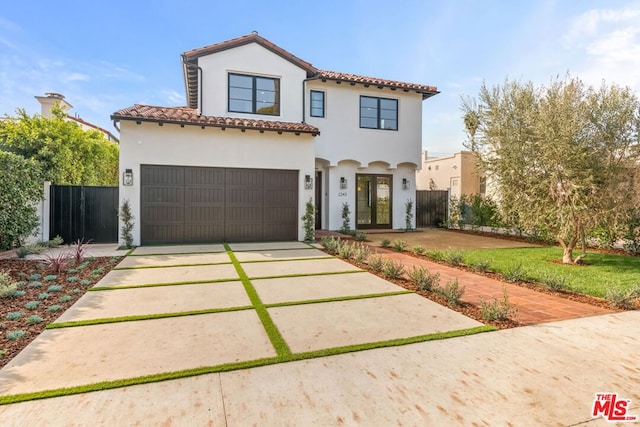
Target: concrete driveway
{"type": "Point", "coordinates": [188, 343]}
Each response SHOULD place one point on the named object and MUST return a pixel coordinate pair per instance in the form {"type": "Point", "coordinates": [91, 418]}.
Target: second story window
{"type": "Point", "coordinates": [317, 103]}
{"type": "Point", "coordinates": [253, 94]}
{"type": "Point", "coordinates": [378, 113]}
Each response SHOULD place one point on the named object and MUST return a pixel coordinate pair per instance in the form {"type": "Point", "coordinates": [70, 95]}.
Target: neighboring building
{"type": "Point", "coordinates": [51, 98]}
{"type": "Point", "coordinates": [457, 173]}
{"type": "Point", "coordinates": [265, 133]}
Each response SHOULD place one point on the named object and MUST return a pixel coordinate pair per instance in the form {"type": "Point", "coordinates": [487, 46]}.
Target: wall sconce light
{"type": "Point", "coordinates": [343, 183]}
{"type": "Point", "coordinates": [127, 177]}
{"type": "Point", "coordinates": [308, 184]}
{"type": "Point", "coordinates": [405, 184]}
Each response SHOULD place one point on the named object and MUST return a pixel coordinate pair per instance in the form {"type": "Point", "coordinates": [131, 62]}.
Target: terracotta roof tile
{"type": "Point", "coordinates": [189, 116]}
{"type": "Point", "coordinates": [427, 91]}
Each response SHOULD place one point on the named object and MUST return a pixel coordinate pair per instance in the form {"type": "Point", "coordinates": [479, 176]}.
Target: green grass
{"type": "Point", "coordinates": [604, 271]}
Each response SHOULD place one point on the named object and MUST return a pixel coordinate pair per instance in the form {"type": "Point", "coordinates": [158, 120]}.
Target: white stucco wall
{"type": "Point", "coordinates": [341, 137]}
{"type": "Point", "coordinates": [251, 59]}
{"type": "Point", "coordinates": [457, 173]}
{"type": "Point", "coordinates": [149, 143]}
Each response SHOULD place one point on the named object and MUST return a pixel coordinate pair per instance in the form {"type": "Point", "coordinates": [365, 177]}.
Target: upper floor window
{"type": "Point", "coordinates": [317, 103]}
{"type": "Point", "coordinates": [378, 113]}
{"type": "Point", "coordinates": [253, 94]}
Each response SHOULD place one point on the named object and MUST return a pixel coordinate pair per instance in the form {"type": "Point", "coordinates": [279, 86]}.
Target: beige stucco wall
{"type": "Point", "coordinates": [149, 143]}
{"type": "Point", "coordinates": [457, 173]}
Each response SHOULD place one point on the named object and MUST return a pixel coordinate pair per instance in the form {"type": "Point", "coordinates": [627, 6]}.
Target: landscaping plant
{"type": "Point", "coordinates": [346, 219]}
{"type": "Point", "coordinates": [408, 215]}
{"type": "Point", "coordinates": [127, 224]}
{"type": "Point", "coordinates": [309, 221]}
{"type": "Point", "coordinates": [498, 310]}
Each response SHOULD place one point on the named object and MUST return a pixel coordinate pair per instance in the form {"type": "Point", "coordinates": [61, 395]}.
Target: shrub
{"type": "Point", "coordinates": [34, 319]}
{"type": "Point", "coordinates": [22, 252]}
{"type": "Point", "coordinates": [454, 257]}
{"type": "Point", "coordinates": [346, 219]}
{"type": "Point", "coordinates": [515, 273]}
{"type": "Point", "coordinates": [418, 249]}
{"type": "Point", "coordinates": [55, 242]}
{"type": "Point", "coordinates": [425, 280]}
{"type": "Point", "coordinates": [393, 269]}
{"type": "Point", "coordinates": [360, 236]}
{"type": "Point", "coordinates": [127, 224]}
{"type": "Point", "coordinates": [64, 298]}
{"type": "Point", "coordinates": [82, 266]}
{"type": "Point", "coordinates": [482, 265]}
{"type": "Point", "coordinates": [435, 255]}
{"type": "Point", "coordinates": [625, 299]}
{"type": "Point", "coordinates": [13, 315]}
{"type": "Point", "coordinates": [72, 270]}
{"type": "Point", "coordinates": [498, 310]}
{"type": "Point", "coordinates": [32, 305]}
{"type": "Point", "coordinates": [54, 288]}
{"type": "Point", "coordinates": [554, 281]}
{"type": "Point", "coordinates": [15, 335]}
{"type": "Point", "coordinates": [331, 244]}
{"type": "Point", "coordinates": [451, 292]}
{"type": "Point", "coordinates": [85, 282]}
{"type": "Point", "coordinates": [408, 215]}
{"type": "Point", "coordinates": [72, 279]}
{"type": "Point", "coordinates": [57, 262]}
{"type": "Point", "coordinates": [361, 252]}
{"type": "Point", "coordinates": [7, 285]}
{"type": "Point", "coordinates": [33, 248]}
{"type": "Point", "coordinates": [53, 308]}
{"type": "Point", "coordinates": [308, 220]}
{"type": "Point", "coordinates": [35, 284]}
{"type": "Point", "coordinates": [399, 245]}
{"type": "Point", "coordinates": [79, 250]}
{"type": "Point", "coordinates": [385, 243]}
{"type": "Point", "coordinates": [345, 250]}
{"type": "Point", "coordinates": [18, 293]}
{"type": "Point", "coordinates": [35, 276]}
{"type": "Point", "coordinates": [50, 278]}
{"type": "Point", "coordinates": [43, 296]}
{"type": "Point", "coordinates": [376, 263]}
{"type": "Point", "coordinates": [76, 290]}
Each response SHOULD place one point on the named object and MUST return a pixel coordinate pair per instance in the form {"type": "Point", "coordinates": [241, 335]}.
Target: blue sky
{"type": "Point", "coordinates": [107, 55]}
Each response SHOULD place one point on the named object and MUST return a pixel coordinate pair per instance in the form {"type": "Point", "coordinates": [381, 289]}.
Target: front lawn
{"type": "Point", "coordinates": [601, 272]}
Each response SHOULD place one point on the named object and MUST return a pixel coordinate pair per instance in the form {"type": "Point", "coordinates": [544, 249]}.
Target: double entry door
{"type": "Point", "coordinates": [373, 201]}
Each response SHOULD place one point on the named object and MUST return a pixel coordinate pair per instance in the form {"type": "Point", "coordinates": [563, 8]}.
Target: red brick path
{"type": "Point", "coordinates": [533, 307]}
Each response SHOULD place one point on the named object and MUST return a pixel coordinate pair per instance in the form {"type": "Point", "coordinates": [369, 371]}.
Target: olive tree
{"type": "Point", "coordinates": [562, 157]}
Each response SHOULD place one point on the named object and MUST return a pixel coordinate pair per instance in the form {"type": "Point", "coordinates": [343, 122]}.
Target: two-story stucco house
{"type": "Point", "coordinates": [263, 134]}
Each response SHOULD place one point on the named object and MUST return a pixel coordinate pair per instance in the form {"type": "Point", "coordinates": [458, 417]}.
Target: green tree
{"type": "Point", "coordinates": [20, 189]}
{"type": "Point", "coordinates": [67, 154]}
{"type": "Point", "coordinates": [562, 156]}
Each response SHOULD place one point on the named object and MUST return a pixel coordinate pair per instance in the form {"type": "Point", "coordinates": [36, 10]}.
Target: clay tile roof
{"type": "Point", "coordinates": [189, 116]}
{"type": "Point", "coordinates": [426, 91]}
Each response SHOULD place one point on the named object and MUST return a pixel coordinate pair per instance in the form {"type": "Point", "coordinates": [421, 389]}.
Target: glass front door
{"type": "Point", "coordinates": [373, 201]}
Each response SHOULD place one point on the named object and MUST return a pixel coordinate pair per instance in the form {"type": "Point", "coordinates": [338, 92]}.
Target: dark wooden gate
{"type": "Point", "coordinates": [431, 208]}
{"type": "Point", "coordinates": [79, 212]}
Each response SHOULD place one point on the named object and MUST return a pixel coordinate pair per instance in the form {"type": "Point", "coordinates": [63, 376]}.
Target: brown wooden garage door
{"type": "Point", "coordinates": [181, 204]}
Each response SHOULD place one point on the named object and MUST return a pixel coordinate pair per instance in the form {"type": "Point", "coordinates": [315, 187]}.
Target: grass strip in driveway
{"type": "Point", "coordinates": [146, 379]}
{"type": "Point", "coordinates": [134, 318]}
{"type": "Point", "coordinates": [328, 273]}
{"type": "Point", "coordinates": [335, 299]}
{"type": "Point", "coordinates": [278, 342]}
{"type": "Point", "coordinates": [287, 259]}
{"type": "Point", "coordinates": [152, 285]}
{"type": "Point", "coordinates": [140, 267]}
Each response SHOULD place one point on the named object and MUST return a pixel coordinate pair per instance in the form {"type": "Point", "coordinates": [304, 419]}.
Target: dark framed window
{"type": "Point", "coordinates": [254, 94]}
{"type": "Point", "coordinates": [378, 113]}
{"type": "Point", "coordinates": [317, 103]}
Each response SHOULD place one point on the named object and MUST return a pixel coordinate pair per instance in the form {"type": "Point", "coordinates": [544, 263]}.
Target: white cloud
{"type": "Point", "coordinates": [68, 77]}
{"type": "Point", "coordinates": [174, 97]}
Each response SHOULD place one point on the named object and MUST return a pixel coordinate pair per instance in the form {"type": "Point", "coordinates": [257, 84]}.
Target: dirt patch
{"type": "Point", "coordinates": [35, 279]}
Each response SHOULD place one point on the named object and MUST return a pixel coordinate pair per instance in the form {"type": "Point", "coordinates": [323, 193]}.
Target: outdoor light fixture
{"type": "Point", "coordinates": [343, 183]}
{"type": "Point", "coordinates": [308, 184]}
{"type": "Point", "coordinates": [405, 184]}
{"type": "Point", "coordinates": [127, 177]}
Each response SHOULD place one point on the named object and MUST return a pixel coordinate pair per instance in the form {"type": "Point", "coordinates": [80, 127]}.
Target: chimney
{"type": "Point", "coordinates": [48, 100]}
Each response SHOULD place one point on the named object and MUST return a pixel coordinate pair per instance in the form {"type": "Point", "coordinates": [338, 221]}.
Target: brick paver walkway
{"type": "Point", "coordinates": [533, 307]}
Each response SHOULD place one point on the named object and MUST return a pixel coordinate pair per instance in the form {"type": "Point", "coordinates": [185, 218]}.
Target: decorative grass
{"type": "Point", "coordinates": [153, 285]}
{"type": "Point", "coordinates": [146, 379]}
{"type": "Point", "coordinates": [337, 299]}
{"type": "Point", "coordinates": [327, 273]}
{"type": "Point", "coordinates": [143, 267]}
{"type": "Point", "coordinates": [287, 259]}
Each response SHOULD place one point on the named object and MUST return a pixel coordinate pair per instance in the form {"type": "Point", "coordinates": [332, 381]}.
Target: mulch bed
{"type": "Point", "coordinates": [72, 279]}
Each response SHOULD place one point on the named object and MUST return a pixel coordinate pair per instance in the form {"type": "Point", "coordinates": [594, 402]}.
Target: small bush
{"type": "Point", "coordinates": [625, 299]}
{"type": "Point", "coordinates": [55, 242]}
{"type": "Point", "coordinates": [451, 292]}
{"type": "Point", "coordinates": [114, 259]}
{"type": "Point", "coordinates": [54, 288]}
{"type": "Point", "coordinates": [100, 270]}
{"type": "Point", "coordinates": [41, 266]}
{"type": "Point", "coordinates": [25, 250]}
{"type": "Point", "coordinates": [345, 250]}
{"type": "Point", "coordinates": [34, 284]}
{"type": "Point", "coordinates": [331, 244]}
{"type": "Point", "coordinates": [7, 285]}
{"type": "Point", "coordinates": [35, 276]}
{"type": "Point", "coordinates": [22, 252]}
{"type": "Point", "coordinates": [554, 281]}
{"type": "Point", "coordinates": [425, 280]}
{"type": "Point", "coordinates": [53, 308]}
{"type": "Point", "coordinates": [498, 310]}
{"type": "Point", "coordinates": [13, 315]}
{"type": "Point", "coordinates": [385, 243]}
{"type": "Point", "coordinates": [376, 263]}
{"type": "Point", "coordinates": [79, 250]}
{"type": "Point", "coordinates": [32, 305]}
{"type": "Point", "coordinates": [515, 273]}
{"type": "Point", "coordinates": [17, 294]}
{"type": "Point", "coordinates": [72, 270]}
{"type": "Point", "coordinates": [399, 245]}
{"type": "Point", "coordinates": [34, 319]}
{"type": "Point", "coordinates": [43, 296]}
{"type": "Point", "coordinates": [76, 290]}
{"type": "Point", "coordinates": [72, 279]}
{"type": "Point", "coordinates": [15, 335]}
{"type": "Point", "coordinates": [419, 250]}
{"type": "Point", "coordinates": [360, 236]}
{"type": "Point", "coordinates": [82, 266]}
{"type": "Point", "coordinates": [361, 252]}
{"type": "Point", "coordinates": [393, 269]}
{"type": "Point", "coordinates": [50, 278]}
{"type": "Point", "coordinates": [482, 265]}
{"type": "Point", "coordinates": [435, 255]}
{"type": "Point", "coordinates": [21, 284]}
{"type": "Point", "coordinates": [454, 257]}
{"type": "Point", "coordinates": [64, 298]}
{"type": "Point", "coordinates": [85, 282]}
{"type": "Point", "coordinates": [58, 262]}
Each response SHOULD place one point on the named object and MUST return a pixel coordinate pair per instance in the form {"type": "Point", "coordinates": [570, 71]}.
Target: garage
{"type": "Point", "coordinates": [184, 204]}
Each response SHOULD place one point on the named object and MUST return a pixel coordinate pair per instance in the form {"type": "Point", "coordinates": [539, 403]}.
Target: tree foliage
{"type": "Point", "coordinates": [562, 156]}
{"type": "Point", "coordinates": [67, 154]}
{"type": "Point", "coordinates": [20, 189]}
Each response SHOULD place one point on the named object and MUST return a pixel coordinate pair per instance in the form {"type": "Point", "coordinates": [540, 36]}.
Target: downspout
{"type": "Point", "coordinates": [200, 78]}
